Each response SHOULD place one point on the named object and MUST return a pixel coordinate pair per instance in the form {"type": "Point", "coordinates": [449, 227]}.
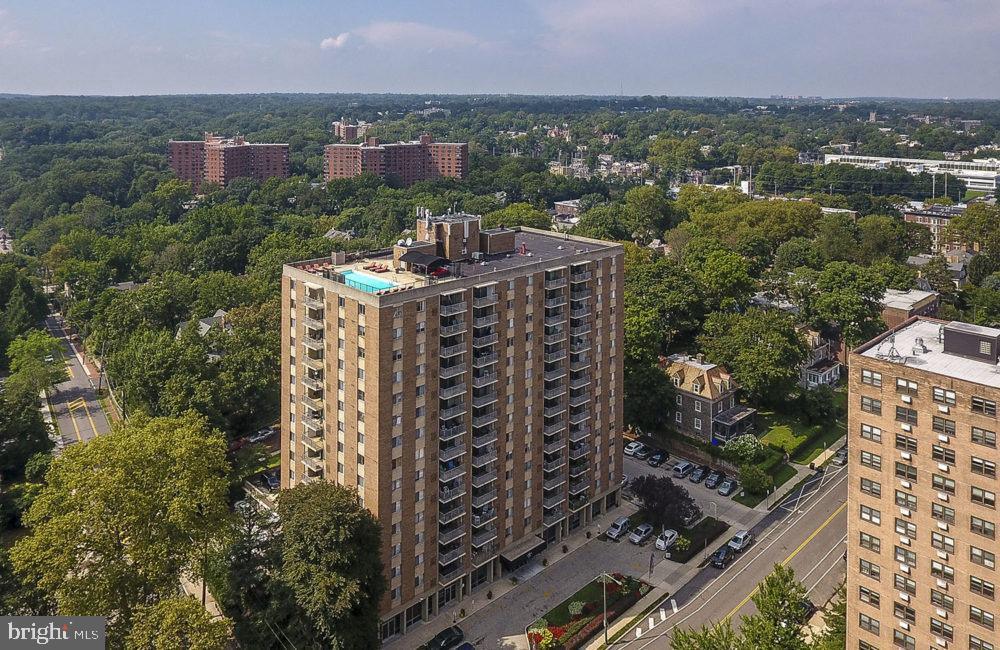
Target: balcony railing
{"type": "Point", "coordinates": [552, 357]}
{"type": "Point", "coordinates": [450, 556]}
{"type": "Point", "coordinates": [453, 308]}
{"type": "Point", "coordinates": [451, 330]}
{"type": "Point", "coordinates": [483, 341]}
{"type": "Point", "coordinates": [315, 463]}
{"type": "Point", "coordinates": [482, 480]}
{"type": "Point", "coordinates": [314, 443]}
{"type": "Point", "coordinates": [483, 360]}
{"type": "Point", "coordinates": [486, 321]}
{"type": "Point", "coordinates": [452, 350]}
{"type": "Point", "coordinates": [446, 475]}
{"type": "Point", "coordinates": [579, 400]}
{"type": "Point", "coordinates": [450, 494]}
{"type": "Point", "coordinates": [552, 303]}
{"type": "Point", "coordinates": [447, 372]}
{"type": "Point", "coordinates": [313, 403]}
{"type": "Point", "coordinates": [484, 419]}
{"type": "Point", "coordinates": [447, 433]}
{"type": "Point", "coordinates": [579, 364]}
{"type": "Point", "coordinates": [578, 501]}
{"type": "Point", "coordinates": [448, 516]}
{"type": "Point", "coordinates": [480, 440]}
{"type": "Point", "coordinates": [555, 283]}
{"type": "Point", "coordinates": [313, 427]}
{"type": "Point", "coordinates": [576, 487]}
{"type": "Point", "coordinates": [314, 303]}
{"type": "Point", "coordinates": [313, 343]}
{"type": "Point", "coordinates": [452, 411]}
{"type": "Point", "coordinates": [579, 382]}
{"type": "Point", "coordinates": [579, 435]}
{"type": "Point", "coordinates": [553, 501]}
{"type": "Point", "coordinates": [484, 379]}
{"type": "Point", "coordinates": [315, 384]}
{"type": "Point", "coordinates": [484, 517]}
{"type": "Point", "coordinates": [444, 577]}
{"type": "Point", "coordinates": [579, 452]}
{"type": "Point", "coordinates": [577, 418]}
{"type": "Point", "coordinates": [579, 330]}
{"type": "Point", "coordinates": [554, 446]}
{"type": "Point", "coordinates": [578, 469]}
{"type": "Point", "coordinates": [550, 339]}
{"type": "Point", "coordinates": [554, 392]}
{"type": "Point", "coordinates": [553, 517]}
{"type": "Point", "coordinates": [480, 401]}
{"type": "Point", "coordinates": [580, 276]}
{"type": "Point", "coordinates": [554, 482]}
{"type": "Point", "coordinates": [451, 453]}
{"type": "Point", "coordinates": [313, 323]}
{"type": "Point", "coordinates": [484, 536]}
{"type": "Point", "coordinates": [581, 294]}
{"type": "Point", "coordinates": [484, 457]}
{"type": "Point", "coordinates": [553, 428]}
{"type": "Point", "coordinates": [552, 320]}
{"type": "Point", "coordinates": [554, 410]}
{"type": "Point", "coordinates": [582, 312]}
{"type": "Point", "coordinates": [579, 346]}
{"type": "Point", "coordinates": [485, 301]}
{"type": "Point", "coordinates": [485, 498]}
{"type": "Point", "coordinates": [553, 465]}
{"type": "Point", "coordinates": [555, 373]}
{"type": "Point", "coordinates": [451, 391]}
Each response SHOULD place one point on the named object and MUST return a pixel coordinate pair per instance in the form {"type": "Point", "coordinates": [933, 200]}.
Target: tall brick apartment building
{"type": "Point", "coordinates": [922, 496]}
{"type": "Point", "coordinates": [409, 162]}
{"type": "Point", "coordinates": [220, 160]}
{"type": "Point", "coordinates": [478, 414]}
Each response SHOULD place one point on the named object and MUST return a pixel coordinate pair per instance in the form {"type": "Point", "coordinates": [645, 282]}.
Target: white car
{"type": "Point", "coordinates": [632, 447]}
{"type": "Point", "coordinates": [641, 533]}
{"type": "Point", "coordinates": [741, 541]}
{"type": "Point", "coordinates": [666, 539]}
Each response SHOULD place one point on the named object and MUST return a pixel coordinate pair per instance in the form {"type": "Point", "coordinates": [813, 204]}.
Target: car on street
{"type": "Point", "coordinates": [722, 557]}
{"type": "Point", "coordinates": [727, 487]}
{"type": "Point", "coordinates": [657, 458]}
{"type": "Point", "coordinates": [699, 474]}
{"type": "Point", "coordinates": [641, 533]}
{"type": "Point", "coordinates": [447, 639]}
{"type": "Point", "coordinates": [618, 528]}
{"type": "Point", "coordinates": [643, 453]}
{"type": "Point", "coordinates": [632, 447]}
{"type": "Point", "coordinates": [261, 435]}
{"type": "Point", "coordinates": [666, 539]}
{"type": "Point", "coordinates": [840, 458]}
{"type": "Point", "coordinates": [683, 468]}
{"type": "Point", "coordinates": [715, 477]}
{"type": "Point", "coordinates": [741, 541]}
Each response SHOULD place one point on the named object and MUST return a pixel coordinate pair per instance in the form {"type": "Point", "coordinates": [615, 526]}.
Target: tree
{"type": "Point", "coordinates": [675, 155]}
{"type": "Point", "coordinates": [837, 237]}
{"type": "Point", "coordinates": [331, 562]}
{"type": "Point", "coordinates": [17, 316]}
{"type": "Point", "coordinates": [796, 252]}
{"type": "Point", "coordinates": [142, 501]}
{"type": "Point", "coordinates": [518, 214]}
{"type": "Point", "coordinates": [755, 480]}
{"type": "Point", "coordinates": [719, 636]}
{"type": "Point", "coordinates": [843, 296]}
{"type": "Point", "coordinates": [178, 623]}
{"type": "Point", "coordinates": [603, 222]}
{"type": "Point", "coordinates": [666, 504]}
{"type": "Point", "coordinates": [779, 618]}
{"type": "Point", "coordinates": [938, 275]}
{"type": "Point", "coordinates": [762, 348]}
{"type": "Point", "coordinates": [724, 279]}
{"type": "Point", "coordinates": [23, 432]}
{"type": "Point", "coordinates": [647, 212]}
{"type": "Point", "coordinates": [834, 637]}
{"type": "Point", "coordinates": [28, 356]}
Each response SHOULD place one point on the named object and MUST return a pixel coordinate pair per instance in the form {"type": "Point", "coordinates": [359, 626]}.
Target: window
{"type": "Point", "coordinates": [873, 571]}
{"type": "Point", "coordinates": [906, 443]}
{"type": "Point", "coordinates": [944, 601]}
{"type": "Point", "coordinates": [905, 386]}
{"type": "Point", "coordinates": [983, 527]}
{"type": "Point", "coordinates": [866, 595]}
{"type": "Point", "coordinates": [984, 467]}
{"type": "Point", "coordinates": [904, 612]}
{"type": "Point", "coordinates": [906, 528]}
{"type": "Point", "coordinates": [679, 400]}
{"type": "Point", "coordinates": [870, 542]}
{"type": "Point", "coordinates": [984, 406]}
{"type": "Point", "coordinates": [871, 378]}
{"type": "Point", "coordinates": [983, 497]}
{"type": "Point", "coordinates": [984, 437]}
{"type": "Point", "coordinates": [864, 645]}
{"type": "Point", "coordinates": [697, 424]}
{"type": "Point", "coordinates": [982, 587]}
{"type": "Point", "coordinates": [904, 584]}
{"type": "Point", "coordinates": [868, 624]}
{"type": "Point", "coordinates": [906, 500]}
{"type": "Point", "coordinates": [905, 556]}
{"type": "Point", "coordinates": [869, 405]}
{"type": "Point", "coordinates": [942, 571]}
{"type": "Point", "coordinates": [906, 415]}
{"type": "Point", "coordinates": [943, 454]}
{"type": "Point", "coordinates": [981, 617]}
{"type": "Point", "coordinates": [985, 347]}
{"type": "Point", "coordinates": [697, 406]}
{"type": "Point", "coordinates": [871, 487]}
{"type": "Point", "coordinates": [943, 484]}
{"type": "Point", "coordinates": [942, 629]}
{"type": "Point", "coordinates": [975, 643]}
{"type": "Point", "coordinates": [871, 460]}
{"type": "Point", "coordinates": [902, 640]}
{"type": "Point", "coordinates": [871, 433]}
{"type": "Point", "coordinates": [678, 417]}
{"type": "Point", "coordinates": [943, 425]}
{"type": "Point", "coordinates": [942, 396]}
{"type": "Point", "coordinates": [906, 472]}
{"type": "Point", "coordinates": [942, 542]}
{"type": "Point", "coordinates": [943, 513]}
{"type": "Point", "coordinates": [982, 557]}
{"type": "Point", "coordinates": [871, 514]}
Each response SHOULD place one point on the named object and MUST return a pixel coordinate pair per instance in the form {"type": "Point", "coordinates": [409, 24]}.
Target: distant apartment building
{"type": "Point", "coordinates": [922, 488]}
{"type": "Point", "coordinates": [979, 175]}
{"type": "Point", "coordinates": [705, 402]}
{"type": "Point", "coordinates": [346, 131]}
{"type": "Point", "coordinates": [899, 306]}
{"type": "Point", "coordinates": [936, 219]}
{"type": "Point", "coordinates": [221, 160]}
{"type": "Point", "coordinates": [409, 162]}
{"type": "Point", "coordinates": [468, 384]}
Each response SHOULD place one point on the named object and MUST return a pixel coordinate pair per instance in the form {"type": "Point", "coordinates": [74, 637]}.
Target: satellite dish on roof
{"type": "Point", "coordinates": [409, 241]}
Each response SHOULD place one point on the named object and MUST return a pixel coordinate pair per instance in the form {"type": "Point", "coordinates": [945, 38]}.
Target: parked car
{"type": "Point", "coordinates": [722, 557]}
{"type": "Point", "coordinates": [741, 541]}
{"type": "Point", "coordinates": [632, 447]}
{"type": "Point", "coordinates": [447, 639]}
{"type": "Point", "coordinates": [683, 468]}
{"type": "Point", "coordinates": [715, 477]}
{"type": "Point", "coordinates": [808, 608]}
{"type": "Point", "coordinates": [261, 435]}
{"type": "Point", "coordinates": [658, 458]}
{"type": "Point", "coordinates": [727, 487]}
{"type": "Point", "coordinates": [643, 453]}
{"type": "Point", "coordinates": [840, 458]}
{"type": "Point", "coordinates": [271, 477]}
{"type": "Point", "coordinates": [641, 533]}
{"type": "Point", "coordinates": [699, 474]}
{"type": "Point", "coordinates": [666, 539]}
{"type": "Point", "coordinates": [618, 528]}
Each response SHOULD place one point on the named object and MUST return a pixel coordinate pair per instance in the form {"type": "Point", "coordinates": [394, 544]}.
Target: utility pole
{"type": "Point", "coordinates": [933, 186]}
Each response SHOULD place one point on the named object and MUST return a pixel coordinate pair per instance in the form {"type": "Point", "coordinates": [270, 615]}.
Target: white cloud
{"type": "Point", "coordinates": [9, 37]}
{"type": "Point", "coordinates": [335, 42]}
{"type": "Point", "coordinates": [402, 34]}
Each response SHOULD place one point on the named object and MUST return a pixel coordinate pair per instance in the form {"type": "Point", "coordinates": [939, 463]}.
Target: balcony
{"type": "Point", "coordinates": [449, 536]}
{"type": "Point", "coordinates": [451, 453]}
{"type": "Point", "coordinates": [582, 294]}
{"type": "Point", "coordinates": [553, 357]}
{"type": "Point", "coordinates": [484, 419]}
{"type": "Point", "coordinates": [453, 308]}
{"type": "Point", "coordinates": [446, 475]}
{"type": "Point", "coordinates": [580, 330]}
{"type": "Point", "coordinates": [556, 391]}
{"type": "Point", "coordinates": [314, 443]}
{"type": "Point", "coordinates": [447, 372]}
{"type": "Point", "coordinates": [444, 577]}
{"type": "Point", "coordinates": [554, 410]}
{"type": "Point", "coordinates": [310, 382]}
{"type": "Point", "coordinates": [484, 536]}
{"type": "Point", "coordinates": [579, 364]}
{"type": "Point", "coordinates": [554, 446]}
{"type": "Point", "coordinates": [314, 363]}
{"type": "Point", "coordinates": [450, 392]}
{"type": "Point", "coordinates": [554, 482]}
{"type": "Point", "coordinates": [313, 323]}
{"type": "Point", "coordinates": [314, 463]}
{"type": "Point", "coordinates": [484, 499]}
{"type": "Point", "coordinates": [313, 343]}
{"type": "Point", "coordinates": [484, 554]}
{"type": "Point", "coordinates": [313, 427]}
{"type": "Point", "coordinates": [579, 418]}
{"type": "Point", "coordinates": [484, 379]}
{"type": "Point", "coordinates": [483, 439]}
{"type": "Point", "coordinates": [447, 433]}
{"type": "Point", "coordinates": [582, 312]}
{"type": "Point", "coordinates": [553, 465]}
{"type": "Point", "coordinates": [579, 435]}
{"type": "Point", "coordinates": [485, 516]}
{"type": "Point", "coordinates": [578, 469]}
{"type": "Point", "coordinates": [553, 501]}
{"type": "Point", "coordinates": [578, 501]}
{"type": "Point", "coordinates": [452, 411]}
{"type": "Point", "coordinates": [484, 457]}
{"type": "Point", "coordinates": [483, 341]}
{"type": "Point", "coordinates": [579, 346]}
{"type": "Point", "coordinates": [552, 518]}
{"type": "Point", "coordinates": [552, 320]}
{"type": "Point", "coordinates": [483, 360]}
{"type": "Point", "coordinates": [555, 283]}
{"type": "Point", "coordinates": [579, 382]}
{"type": "Point", "coordinates": [447, 516]}
{"type": "Point", "coordinates": [579, 452]}
{"type": "Point", "coordinates": [452, 330]}
{"type": "Point", "coordinates": [486, 321]}
{"type": "Point", "coordinates": [555, 373]}
{"type": "Point", "coordinates": [576, 487]}
{"type": "Point", "coordinates": [580, 276]}
{"type": "Point", "coordinates": [313, 302]}
{"type": "Point", "coordinates": [557, 337]}
{"type": "Point", "coordinates": [552, 303]}
{"type": "Point", "coordinates": [311, 402]}
{"type": "Point", "coordinates": [451, 350]}
{"type": "Point", "coordinates": [450, 556]}
{"type": "Point", "coordinates": [450, 494]}
{"type": "Point", "coordinates": [485, 301]}
{"type": "Point", "coordinates": [481, 401]}
{"type": "Point", "coordinates": [482, 480]}
{"type": "Point", "coordinates": [579, 400]}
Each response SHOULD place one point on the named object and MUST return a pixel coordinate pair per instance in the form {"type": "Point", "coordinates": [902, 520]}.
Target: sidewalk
{"type": "Point", "coordinates": [192, 587]}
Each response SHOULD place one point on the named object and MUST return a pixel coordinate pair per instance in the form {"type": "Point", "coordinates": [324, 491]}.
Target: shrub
{"type": "Point", "coordinates": [755, 480]}
{"type": "Point", "coordinates": [744, 449]}
{"type": "Point", "coordinates": [682, 544]}
{"type": "Point", "coordinates": [37, 466]}
{"type": "Point", "coordinates": [575, 608]}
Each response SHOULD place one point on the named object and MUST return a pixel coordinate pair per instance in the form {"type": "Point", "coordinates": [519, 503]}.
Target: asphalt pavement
{"type": "Point", "coordinates": [75, 406]}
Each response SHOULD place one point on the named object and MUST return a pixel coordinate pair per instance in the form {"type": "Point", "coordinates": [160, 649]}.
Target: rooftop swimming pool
{"type": "Point", "coordinates": [365, 282]}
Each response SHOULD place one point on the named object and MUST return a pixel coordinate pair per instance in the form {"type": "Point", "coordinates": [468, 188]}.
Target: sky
{"type": "Point", "coordinates": [831, 48]}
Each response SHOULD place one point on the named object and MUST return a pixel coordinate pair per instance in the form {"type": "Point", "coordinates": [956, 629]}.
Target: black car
{"type": "Point", "coordinates": [714, 479]}
{"type": "Point", "coordinates": [808, 609]}
{"type": "Point", "coordinates": [643, 453]}
{"type": "Point", "coordinates": [658, 458]}
{"type": "Point", "coordinates": [699, 474]}
{"type": "Point", "coordinates": [273, 482]}
{"type": "Point", "coordinates": [447, 639]}
{"type": "Point", "coordinates": [722, 557]}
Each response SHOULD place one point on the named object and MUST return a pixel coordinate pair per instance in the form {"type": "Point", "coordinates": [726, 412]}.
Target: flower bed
{"type": "Point", "coordinates": [572, 622]}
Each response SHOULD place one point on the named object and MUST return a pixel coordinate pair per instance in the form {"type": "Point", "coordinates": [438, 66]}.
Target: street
{"type": "Point", "coordinates": [75, 407]}
{"type": "Point", "coordinates": [806, 532]}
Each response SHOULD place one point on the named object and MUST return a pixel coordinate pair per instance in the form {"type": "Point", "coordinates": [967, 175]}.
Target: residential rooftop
{"type": "Point", "coordinates": [906, 300]}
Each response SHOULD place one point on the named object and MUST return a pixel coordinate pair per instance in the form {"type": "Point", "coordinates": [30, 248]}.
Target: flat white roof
{"type": "Point", "coordinates": [904, 299]}
{"type": "Point", "coordinates": [901, 345]}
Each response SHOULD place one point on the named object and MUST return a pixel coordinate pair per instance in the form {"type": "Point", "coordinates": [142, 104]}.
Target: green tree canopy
{"type": "Point", "coordinates": [178, 623]}
{"type": "Point", "coordinates": [518, 214]}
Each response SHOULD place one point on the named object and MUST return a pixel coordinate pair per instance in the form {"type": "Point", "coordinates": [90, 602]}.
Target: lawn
{"type": "Point", "coordinates": [801, 441]}
{"type": "Point", "coordinates": [782, 474]}
{"type": "Point", "coordinates": [702, 534]}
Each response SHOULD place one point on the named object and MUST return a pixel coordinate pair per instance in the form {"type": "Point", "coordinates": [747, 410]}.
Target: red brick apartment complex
{"type": "Point", "coordinates": [468, 385]}
{"type": "Point", "coordinates": [408, 161]}
{"type": "Point", "coordinates": [220, 160]}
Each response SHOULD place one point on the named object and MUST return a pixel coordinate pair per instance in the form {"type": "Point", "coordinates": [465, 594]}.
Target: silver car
{"type": "Point", "coordinates": [641, 533]}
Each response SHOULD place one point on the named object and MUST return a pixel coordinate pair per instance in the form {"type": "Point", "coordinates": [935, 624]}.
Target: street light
{"type": "Point", "coordinates": [604, 591]}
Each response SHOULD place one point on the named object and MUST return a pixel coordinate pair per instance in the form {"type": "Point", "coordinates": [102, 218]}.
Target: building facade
{"type": "Point", "coordinates": [469, 386]}
{"type": "Point", "coordinates": [979, 175]}
{"type": "Point", "coordinates": [705, 404]}
{"type": "Point", "coordinates": [936, 219]}
{"type": "Point", "coordinates": [409, 162]}
{"type": "Point", "coordinates": [921, 505]}
{"type": "Point", "coordinates": [221, 160]}
{"type": "Point", "coordinates": [346, 131]}
{"type": "Point", "coordinates": [899, 306]}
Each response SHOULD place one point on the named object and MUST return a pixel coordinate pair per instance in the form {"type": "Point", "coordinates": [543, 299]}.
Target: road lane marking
{"type": "Point", "coordinates": [93, 425]}
{"type": "Point", "coordinates": [831, 568]}
{"type": "Point", "coordinates": [788, 559]}
{"type": "Point", "coordinates": [72, 418]}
